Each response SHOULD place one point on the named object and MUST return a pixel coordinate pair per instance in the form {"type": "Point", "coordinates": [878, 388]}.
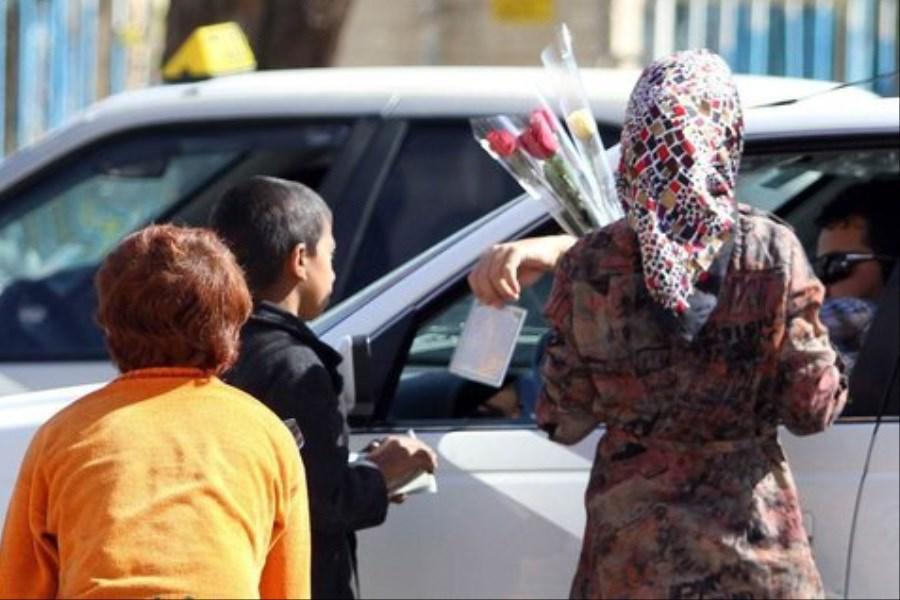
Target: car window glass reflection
{"type": "Point", "coordinates": [56, 229]}
{"type": "Point", "coordinates": [797, 185]}
{"type": "Point", "coordinates": [79, 225]}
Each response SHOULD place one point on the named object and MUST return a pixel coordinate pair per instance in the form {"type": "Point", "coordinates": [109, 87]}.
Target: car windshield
{"type": "Point", "coordinates": [56, 228]}
{"type": "Point", "coordinates": [72, 218]}
{"type": "Point", "coordinates": [89, 216]}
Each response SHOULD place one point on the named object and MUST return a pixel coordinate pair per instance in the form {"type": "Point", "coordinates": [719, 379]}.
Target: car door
{"type": "Point", "coordinates": [874, 553]}
{"type": "Point", "coordinates": [508, 517]}
{"type": "Point", "coordinates": [506, 521]}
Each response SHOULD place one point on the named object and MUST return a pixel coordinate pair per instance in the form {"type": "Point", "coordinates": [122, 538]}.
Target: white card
{"type": "Point", "coordinates": [487, 343]}
{"type": "Point", "coordinates": [423, 482]}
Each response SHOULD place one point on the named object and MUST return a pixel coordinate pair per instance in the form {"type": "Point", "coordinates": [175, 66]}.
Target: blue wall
{"type": "Point", "coordinates": [58, 56]}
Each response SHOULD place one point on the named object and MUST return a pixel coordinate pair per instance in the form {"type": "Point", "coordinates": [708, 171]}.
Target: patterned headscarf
{"type": "Point", "coordinates": [681, 147]}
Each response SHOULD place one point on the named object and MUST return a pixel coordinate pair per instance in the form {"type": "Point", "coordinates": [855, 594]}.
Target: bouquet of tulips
{"type": "Point", "coordinates": [567, 171]}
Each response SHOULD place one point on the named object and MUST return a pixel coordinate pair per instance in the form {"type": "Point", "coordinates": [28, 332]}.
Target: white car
{"type": "Point", "coordinates": [508, 517]}
{"type": "Point", "coordinates": [390, 149]}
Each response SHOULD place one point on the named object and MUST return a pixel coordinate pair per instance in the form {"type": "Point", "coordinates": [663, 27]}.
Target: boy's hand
{"type": "Point", "coordinates": [400, 457]}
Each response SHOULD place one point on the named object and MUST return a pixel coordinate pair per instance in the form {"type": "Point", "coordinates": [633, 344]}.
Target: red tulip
{"type": "Point", "coordinates": [542, 114]}
{"type": "Point", "coordinates": [502, 142]}
{"type": "Point", "coordinates": [538, 140]}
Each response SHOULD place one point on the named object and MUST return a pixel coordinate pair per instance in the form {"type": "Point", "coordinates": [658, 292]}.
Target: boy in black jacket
{"type": "Point", "coordinates": [280, 232]}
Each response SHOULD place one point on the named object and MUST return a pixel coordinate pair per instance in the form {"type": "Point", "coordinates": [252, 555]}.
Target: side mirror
{"type": "Point", "coordinates": [358, 396]}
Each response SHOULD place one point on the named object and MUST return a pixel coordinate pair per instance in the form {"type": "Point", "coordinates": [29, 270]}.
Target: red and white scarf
{"type": "Point", "coordinates": [681, 146]}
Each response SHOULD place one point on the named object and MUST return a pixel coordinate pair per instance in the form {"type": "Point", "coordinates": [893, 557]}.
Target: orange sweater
{"type": "Point", "coordinates": [162, 484]}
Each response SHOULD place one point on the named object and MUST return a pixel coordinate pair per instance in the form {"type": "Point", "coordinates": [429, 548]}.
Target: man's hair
{"type": "Point", "coordinates": [172, 297]}
{"type": "Point", "coordinates": [877, 202]}
{"type": "Point", "coordinates": [263, 219]}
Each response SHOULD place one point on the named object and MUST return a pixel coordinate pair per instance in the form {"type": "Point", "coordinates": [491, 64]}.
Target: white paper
{"type": "Point", "coordinates": [417, 483]}
{"type": "Point", "coordinates": [487, 343]}
{"type": "Point", "coordinates": [423, 481]}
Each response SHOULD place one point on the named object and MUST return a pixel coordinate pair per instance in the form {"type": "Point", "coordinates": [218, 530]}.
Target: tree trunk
{"type": "Point", "coordinates": [283, 33]}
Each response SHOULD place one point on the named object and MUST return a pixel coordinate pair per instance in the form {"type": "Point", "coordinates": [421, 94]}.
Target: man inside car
{"type": "Point", "coordinates": [857, 248]}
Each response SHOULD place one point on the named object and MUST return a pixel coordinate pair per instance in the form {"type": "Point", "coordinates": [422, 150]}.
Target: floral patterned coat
{"type": "Point", "coordinates": [690, 494]}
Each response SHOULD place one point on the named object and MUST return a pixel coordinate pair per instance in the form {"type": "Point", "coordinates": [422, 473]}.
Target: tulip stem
{"type": "Point", "coordinates": [563, 183]}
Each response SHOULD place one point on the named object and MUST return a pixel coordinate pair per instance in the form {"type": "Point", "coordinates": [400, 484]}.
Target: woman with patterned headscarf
{"type": "Point", "coordinates": [690, 329]}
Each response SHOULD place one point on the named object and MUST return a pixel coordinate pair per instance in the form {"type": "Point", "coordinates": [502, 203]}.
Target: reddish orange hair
{"type": "Point", "coordinates": [172, 297]}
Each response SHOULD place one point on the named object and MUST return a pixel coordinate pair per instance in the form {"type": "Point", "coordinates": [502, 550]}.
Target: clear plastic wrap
{"type": "Point", "coordinates": [572, 102]}
{"type": "Point", "coordinates": [564, 167]}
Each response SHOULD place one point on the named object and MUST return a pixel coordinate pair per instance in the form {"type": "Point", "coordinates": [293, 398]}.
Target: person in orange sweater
{"type": "Point", "coordinates": [165, 483]}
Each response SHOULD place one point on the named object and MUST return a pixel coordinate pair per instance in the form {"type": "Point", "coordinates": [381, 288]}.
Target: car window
{"type": "Point", "coordinates": [79, 224]}
{"type": "Point", "coordinates": [396, 187]}
{"type": "Point", "coordinates": [798, 185]}
{"type": "Point", "coordinates": [56, 229]}
{"type": "Point", "coordinates": [427, 389]}
{"type": "Point", "coordinates": [437, 182]}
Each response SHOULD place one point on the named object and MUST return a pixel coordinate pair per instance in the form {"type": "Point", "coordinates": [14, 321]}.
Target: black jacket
{"type": "Point", "coordinates": [289, 369]}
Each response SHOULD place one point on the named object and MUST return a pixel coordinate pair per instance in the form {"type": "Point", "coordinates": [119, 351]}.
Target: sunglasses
{"type": "Point", "coordinates": [835, 266]}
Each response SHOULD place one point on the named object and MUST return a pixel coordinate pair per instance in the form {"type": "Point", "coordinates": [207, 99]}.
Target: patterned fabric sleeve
{"type": "Point", "coordinates": [812, 385]}
{"type": "Point", "coordinates": [564, 407]}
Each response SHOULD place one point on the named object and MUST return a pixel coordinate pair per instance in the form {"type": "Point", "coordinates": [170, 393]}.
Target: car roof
{"type": "Point", "coordinates": [336, 92]}
{"type": "Point", "coordinates": [414, 91]}
{"type": "Point", "coordinates": [824, 119]}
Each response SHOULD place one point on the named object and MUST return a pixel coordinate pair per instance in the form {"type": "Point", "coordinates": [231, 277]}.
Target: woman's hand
{"type": "Point", "coordinates": [505, 269]}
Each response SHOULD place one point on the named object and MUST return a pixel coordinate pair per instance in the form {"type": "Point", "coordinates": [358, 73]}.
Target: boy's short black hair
{"type": "Point", "coordinates": [263, 219]}
{"type": "Point", "coordinates": [875, 201]}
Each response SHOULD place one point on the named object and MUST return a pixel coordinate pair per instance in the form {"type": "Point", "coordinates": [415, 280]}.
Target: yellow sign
{"type": "Point", "coordinates": [211, 50]}
{"type": "Point", "coordinates": [523, 11]}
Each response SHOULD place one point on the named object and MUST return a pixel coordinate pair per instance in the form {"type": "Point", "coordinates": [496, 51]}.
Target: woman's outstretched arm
{"type": "Point", "coordinates": [811, 384]}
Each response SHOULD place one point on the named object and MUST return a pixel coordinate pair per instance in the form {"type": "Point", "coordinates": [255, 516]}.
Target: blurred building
{"type": "Point", "coordinates": [465, 32]}
{"type": "Point", "coordinates": [823, 39]}
{"type": "Point", "coordinates": [58, 56]}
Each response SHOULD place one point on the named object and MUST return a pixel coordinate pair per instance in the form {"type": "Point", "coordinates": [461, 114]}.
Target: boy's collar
{"type": "Point", "coordinates": [272, 314]}
{"type": "Point", "coordinates": [271, 309]}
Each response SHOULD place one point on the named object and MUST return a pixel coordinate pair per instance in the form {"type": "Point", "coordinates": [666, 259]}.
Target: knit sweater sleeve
{"type": "Point", "coordinates": [29, 558]}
